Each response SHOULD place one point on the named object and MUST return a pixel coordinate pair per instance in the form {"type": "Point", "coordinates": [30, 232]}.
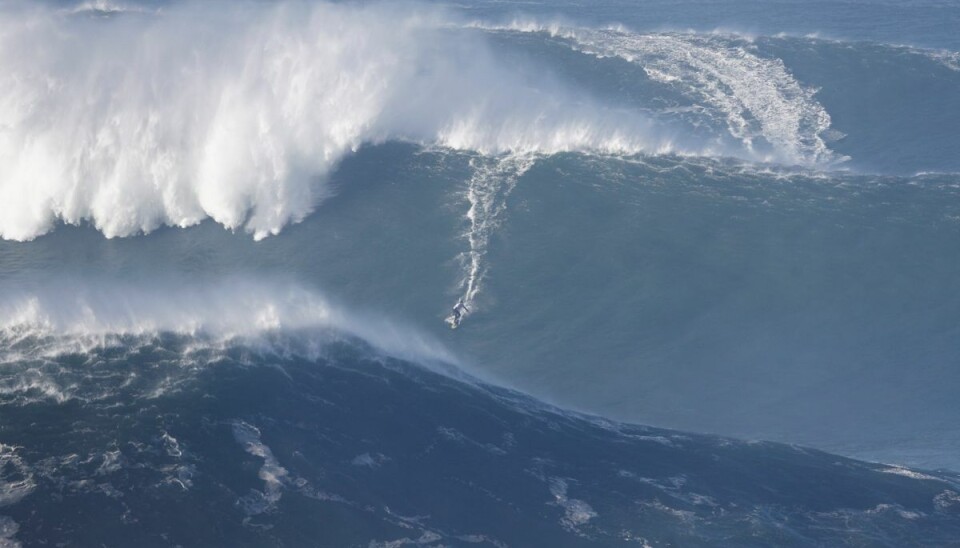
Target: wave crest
{"type": "Point", "coordinates": [278, 318]}
{"type": "Point", "coordinates": [757, 98]}
{"type": "Point", "coordinates": [236, 113]}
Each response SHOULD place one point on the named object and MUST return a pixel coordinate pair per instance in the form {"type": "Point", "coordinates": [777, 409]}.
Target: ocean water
{"type": "Point", "coordinates": [231, 234]}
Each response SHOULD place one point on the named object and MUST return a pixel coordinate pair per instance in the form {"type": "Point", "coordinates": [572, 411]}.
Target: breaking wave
{"type": "Point", "coordinates": [140, 120]}
{"type": "Point", "coordinates": [757, 98]}
{"type": "Point", "coordinates": [269, 317]}
{"type": "Point", "coordinates": [131, 120]}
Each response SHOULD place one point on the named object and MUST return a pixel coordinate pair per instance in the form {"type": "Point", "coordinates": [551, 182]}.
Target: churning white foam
{"type": "Point", "coordinates": [237, 111]}
{"type": "Point", "coordinates": [273, 475]}
{"type": "Point", "coordinates": [275, 317]}
{"type": "Point", "coordinates": [758, 98]}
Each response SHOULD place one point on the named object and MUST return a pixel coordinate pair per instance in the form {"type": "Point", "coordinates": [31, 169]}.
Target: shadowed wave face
{"type": "Point", "coordinates": [169, 435]}
{"type": "Point", "coordinates": [231, 234]}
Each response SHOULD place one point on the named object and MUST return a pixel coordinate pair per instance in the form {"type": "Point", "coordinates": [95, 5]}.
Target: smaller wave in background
{"type": "Point", "coordinates": [757, 97]}
{"type": "Point", "coordinates": [948, 58]}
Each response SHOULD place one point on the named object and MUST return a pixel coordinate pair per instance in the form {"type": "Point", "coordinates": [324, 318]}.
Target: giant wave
{"type": "Point", "coordinates": [144, 118]}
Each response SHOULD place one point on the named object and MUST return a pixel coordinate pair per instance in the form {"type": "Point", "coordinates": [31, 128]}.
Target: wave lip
{"type": "Point", "coordinates": [271, 317]}
{"type": "Point", "coordinates": [237, 113]}
{"type": "Point", "coordinates": [758, 97]}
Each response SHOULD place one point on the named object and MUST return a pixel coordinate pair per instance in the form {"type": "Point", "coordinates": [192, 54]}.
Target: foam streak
{"type": "Point", "coordinates": [757, 97]}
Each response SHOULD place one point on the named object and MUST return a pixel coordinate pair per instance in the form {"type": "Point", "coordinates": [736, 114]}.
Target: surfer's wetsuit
{"type": "Point", "coordinates": [457, 314]}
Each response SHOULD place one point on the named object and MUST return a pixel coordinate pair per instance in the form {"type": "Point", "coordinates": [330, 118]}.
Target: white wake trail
{"type": "Point", "coordinates": [492, 182]}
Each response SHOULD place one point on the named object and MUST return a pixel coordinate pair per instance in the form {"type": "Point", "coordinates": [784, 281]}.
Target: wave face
{"type": "Point", "coordinates": [231, 234]}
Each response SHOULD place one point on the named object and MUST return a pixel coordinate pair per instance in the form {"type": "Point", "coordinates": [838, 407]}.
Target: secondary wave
{"type": "Point", "coordinates": [487, 192]}
{"type": "Point", "coordinates": [131, 118]}
{"type": "Point", "coordinates": [758, 98]}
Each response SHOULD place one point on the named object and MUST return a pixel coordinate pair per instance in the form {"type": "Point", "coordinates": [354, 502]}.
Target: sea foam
{"type": "Point", "coordinates": [131, 120]}
{"type": "Point", "coordinates": [71, 318]}
{"type": "Point", "coordinates": [757, 97]}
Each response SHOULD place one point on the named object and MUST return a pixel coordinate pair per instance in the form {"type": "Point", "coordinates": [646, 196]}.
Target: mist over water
{"type": "Point", "coordinates": [67, 317]}
{"type": "Point", "coordinates": [135, 118]}
{"type": "Point", "coordinates": [230, 234]}
{"type": "Point", "coordinates": [142, 119]}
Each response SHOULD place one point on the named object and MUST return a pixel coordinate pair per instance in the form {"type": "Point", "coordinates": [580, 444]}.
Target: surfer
{"type": "Point", "coordinates": [458, 310]}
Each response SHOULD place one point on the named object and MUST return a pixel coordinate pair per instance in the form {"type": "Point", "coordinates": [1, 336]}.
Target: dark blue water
{"type": "Point", "coordinates": [240, 448]}
{"type": "Point", "coordinates": [232, 234]}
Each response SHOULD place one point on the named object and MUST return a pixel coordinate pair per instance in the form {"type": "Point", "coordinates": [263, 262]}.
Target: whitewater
{"type": "Point", "coordinates": [129, 125]}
